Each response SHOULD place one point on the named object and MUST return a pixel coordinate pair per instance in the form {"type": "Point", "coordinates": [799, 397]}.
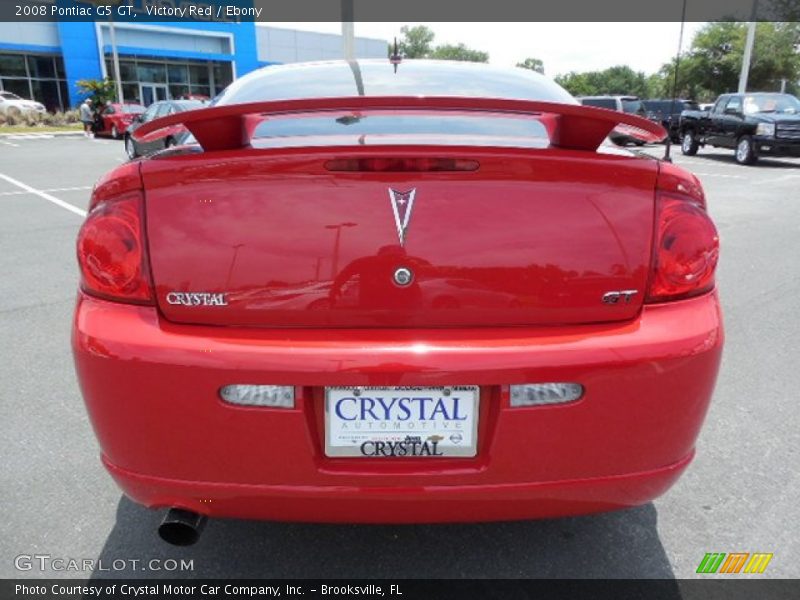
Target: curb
{"type": "Point", "coordinates": [36, 133]}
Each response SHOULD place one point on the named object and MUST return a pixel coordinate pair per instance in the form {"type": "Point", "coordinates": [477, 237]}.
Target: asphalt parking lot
{"type": "Point", "coordinates": [740, 494]}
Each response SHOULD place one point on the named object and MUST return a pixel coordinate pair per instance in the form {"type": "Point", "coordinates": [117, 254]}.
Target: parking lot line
{"type": "Point", "coordinates": [45, 195]}
{"type": "Point", "coordinates": [65, 189]}
{"type": "Point", "coordinates": [699, 174]}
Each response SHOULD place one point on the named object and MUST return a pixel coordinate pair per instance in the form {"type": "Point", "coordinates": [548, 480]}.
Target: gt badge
{"type": "Point", "coordinates": [402, 205]}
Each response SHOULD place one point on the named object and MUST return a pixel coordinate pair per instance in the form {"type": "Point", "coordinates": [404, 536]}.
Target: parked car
{"type": "Point", "coordinates": [566, 369]}
{"type": "Point", "coordinates": [202, 97]}
{"type": "Point", "coordinates": [13, 105]}
{"type": "Point", "coordinates": [115, 119]}
{"type": "Point", "coordinates": [667, 112]}
{"type": "Point", "coordinates": [627, 104]}
{"type": "Point", "coordinates": [172, 137]}
{"type": "Point", "coordinates": [753, 125]}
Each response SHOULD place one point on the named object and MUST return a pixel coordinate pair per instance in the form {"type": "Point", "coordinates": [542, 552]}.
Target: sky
{"type": "Point", "coordinates": [563, 47]}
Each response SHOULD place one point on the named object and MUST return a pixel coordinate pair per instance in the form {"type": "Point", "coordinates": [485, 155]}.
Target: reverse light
{"type": "Point", "coordinates": [686, 251]}
{"type": "Point", "coordinates": [272, 396]}
{"type": "Point", "coordinates": [112, 253]}
{"type": "Point", "coordinates": [766, 129]}
{"type": "Point", "coordinates": [538, 394]}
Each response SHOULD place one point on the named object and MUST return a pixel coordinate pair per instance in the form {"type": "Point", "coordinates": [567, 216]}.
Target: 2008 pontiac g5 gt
{"type": "Point", "coordinates": [362, 294]}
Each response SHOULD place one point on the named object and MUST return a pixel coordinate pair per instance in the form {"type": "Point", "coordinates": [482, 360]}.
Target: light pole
{"type": "Point", "coordinates": [336, 242]}
{"type": "Point", "coordinates": [748, 49]}
{"type": "Point", "coordinates": [112, 34]}
{"type": "Point", "coordinates": [348, 30]}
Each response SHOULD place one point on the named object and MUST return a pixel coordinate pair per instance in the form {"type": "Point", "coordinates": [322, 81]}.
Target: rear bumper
{"type": "Point", "coordinates": [151, 389]}
{"type": "Point", "coordinates": [429, 504]}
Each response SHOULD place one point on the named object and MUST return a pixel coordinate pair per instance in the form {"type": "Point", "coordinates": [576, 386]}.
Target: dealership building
{"type": "Point", "coordinates": [44, 60]}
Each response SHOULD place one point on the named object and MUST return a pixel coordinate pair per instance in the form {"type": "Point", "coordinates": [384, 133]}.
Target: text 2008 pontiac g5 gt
{"type": "Point", "coordinates": [366, 295]}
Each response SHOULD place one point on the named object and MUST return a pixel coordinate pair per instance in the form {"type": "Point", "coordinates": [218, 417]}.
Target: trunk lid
{"type": "Point", "coordinates": [531, 237]}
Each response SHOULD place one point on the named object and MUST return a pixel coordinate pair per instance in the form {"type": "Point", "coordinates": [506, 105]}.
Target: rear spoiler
{"type": "Point", "coordinates": [573, 126]}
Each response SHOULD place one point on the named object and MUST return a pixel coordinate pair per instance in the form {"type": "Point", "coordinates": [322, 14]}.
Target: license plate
{"type": "Point", "coordinates": [404, 422]}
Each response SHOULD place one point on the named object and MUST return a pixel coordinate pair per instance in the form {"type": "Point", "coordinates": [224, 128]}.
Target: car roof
{"type": "Point", "coordinates": [378, 77]}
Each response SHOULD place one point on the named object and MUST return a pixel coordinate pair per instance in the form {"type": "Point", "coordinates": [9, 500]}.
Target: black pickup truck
{"type": "Point", "coordinates": [752, 125]}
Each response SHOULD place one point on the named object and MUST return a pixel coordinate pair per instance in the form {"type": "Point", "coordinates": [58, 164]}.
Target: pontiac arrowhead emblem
{"type": "Point", "coordinates": [402, 205]}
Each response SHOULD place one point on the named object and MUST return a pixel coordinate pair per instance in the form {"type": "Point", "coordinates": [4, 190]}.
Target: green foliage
{"type": "Point", "coordinates": [534, 64]}
{"type": "Point", "coordinates": [712, 65]}
{"type": "Point", "coordinates": [709, 68]}
{"type": "Point", "coordinates": [101, 91]}
{"type": "Point", "coordinates": [32, 119]}
{"type": "Point", "coordinates": [417, 42]}
{"type": "Point", "coordinates": [617, 80]}
{"type": "Point", "coordinates": [459, 52]}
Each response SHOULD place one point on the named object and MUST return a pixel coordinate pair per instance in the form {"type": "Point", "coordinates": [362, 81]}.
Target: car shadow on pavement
{"type": "Point", "coordinates": [622, 544]}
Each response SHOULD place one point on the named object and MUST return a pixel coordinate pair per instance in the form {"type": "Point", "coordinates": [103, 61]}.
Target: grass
{"type": "Point", "coordinates": [17, 129]}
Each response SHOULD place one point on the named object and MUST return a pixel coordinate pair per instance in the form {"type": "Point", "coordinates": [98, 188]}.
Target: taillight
{"type": "Point", "coordinates": [112, 253]}
{"type": "Point", "coordinates": [685, 253]}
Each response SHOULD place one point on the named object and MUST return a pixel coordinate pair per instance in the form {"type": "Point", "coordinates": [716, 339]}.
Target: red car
{"type": "Point", "coordinates": [115, 119]}
{"type": "Point", "coordinates": [569, 372]}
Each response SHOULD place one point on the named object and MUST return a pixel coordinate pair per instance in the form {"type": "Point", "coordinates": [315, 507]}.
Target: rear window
{"type": "Point", "coordinates": [380, 78]}
{"type": "Point", "coordinates": [658, 106]}
{"type": "Point", "coordinates": [483, 129]}
{"type": "Point", "coordinates": [666, 107]}
{"type": "Point", "coordinates": [632, 106]}
{"type": "Point", "coordinates": [133, 109]}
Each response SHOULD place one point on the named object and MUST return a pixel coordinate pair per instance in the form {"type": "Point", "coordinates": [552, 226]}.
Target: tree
{"type": "Point", "coordinates": [101, 91]}
{"type": "Point", "coordinates": [534, 64]}
{"type": "Point", "coordinates": [417, 42]}
{"type": "Point", "coordinates": [712, 65]}
{"type": "Point", "coordinates": [459, 52]}
{"type": "Point", "coordinates": [619, 80]}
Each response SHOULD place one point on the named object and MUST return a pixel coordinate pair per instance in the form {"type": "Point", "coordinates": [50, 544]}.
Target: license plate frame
{"type": "Point", "coordinates": [454, 437]}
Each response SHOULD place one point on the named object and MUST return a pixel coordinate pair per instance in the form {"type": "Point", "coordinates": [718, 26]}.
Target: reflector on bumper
{"type": "Point", "coordinates": [275, 396]}
{"type": "Point", "coordinates": [536, 394]}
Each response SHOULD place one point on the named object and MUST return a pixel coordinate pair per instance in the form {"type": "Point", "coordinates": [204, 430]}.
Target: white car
{"type": "Point", "coordinates": [11, 104]}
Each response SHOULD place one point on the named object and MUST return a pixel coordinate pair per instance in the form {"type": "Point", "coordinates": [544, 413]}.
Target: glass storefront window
{"type": "Point", "coordinates": [130, 92]}
{"type": "Point", "coordinates": [223, 76]}
{"type": "Point", "coordinates": [199, 74]}
{"type": "Point", "coordinates": [12, 65]}
{"type": "Point", "coordinates": [38, 77]}
{"type": "Point", "coordinates": [201, 90]}
{"type": "Point", "coordinates": [19, 87]}
{"type": "Point", "coordinates": [182, 78]}
{"type": "Point", "coordinates": [46, 92]}
{"type": "Point", "coordinates": [178, 73]}
{"type": "Point", "coordinates": [177, 91]}
{"type": "Point", "coordinates": [151, 72]}
{"type": "Point", "coordinates": [41, 67]}
{"type": "Point", "coordinates": [127, 69]}
{"type": "Point", "coordinates": [62, 86]}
